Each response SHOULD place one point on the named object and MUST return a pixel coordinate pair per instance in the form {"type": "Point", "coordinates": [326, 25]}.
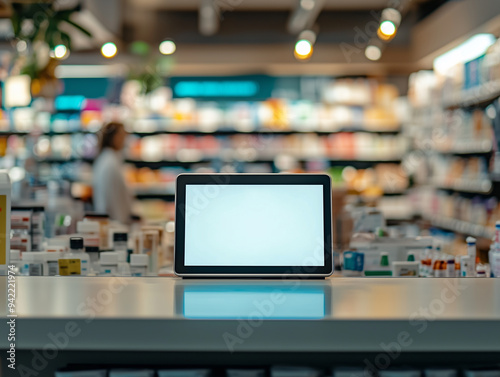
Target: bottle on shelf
{"type": "Point", "coordinates": [139, 264]}
{"type": "Point", "coordinates": [481, 271]}
{"type": "Point", "coordinates": [33, 263]}
{"type": "Point", "coordinates": [410, 256]}
{"type": "Point", "coordinates": [52, 262]}
{"type": "Point", "coordinates": [89, 230]}
{"type": "Point", "coordinates": [471, 252]}
{"type": "Point", "coordinates": [108, 263]}
{"type": "Point", "coordinates": [457, 267]}
{"type": "Point", "coordinates": [120, 246]}
{"type": "Point", "coordinates": [464, 266]}
{"type": "Point", "coordinates": [76, 261]}
{"type": "Point", "coordinates": [426, 262]}
{"type": "Point", "coordinates": [15, 260]}
{"type": "Point", "coordinates": [450, 266]}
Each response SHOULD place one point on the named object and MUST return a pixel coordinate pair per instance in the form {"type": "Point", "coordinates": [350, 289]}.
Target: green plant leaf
{"type": "Point", "coordinates": [16, 24]}
{"type": "Point", "coordinates": [66, 40]}
{"type": "Point", "coordinates": [82, 29]}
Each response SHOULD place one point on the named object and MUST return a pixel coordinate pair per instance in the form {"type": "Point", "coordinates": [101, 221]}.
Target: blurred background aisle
{"type": "Point", "coordinates": [397, 100]}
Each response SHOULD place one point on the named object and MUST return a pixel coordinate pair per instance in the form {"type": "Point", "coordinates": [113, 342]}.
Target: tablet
{"type": "Point", "coordinates": [253, 225]}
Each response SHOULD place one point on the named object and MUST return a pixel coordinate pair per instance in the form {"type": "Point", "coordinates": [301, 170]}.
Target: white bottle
{"type": "Point", "coordinates": [495, 263]}
{"type": "Point", "coordinates": [497, 236]}
{"type": "Point", "coordinates": [481, 271]}
{"type": "Point", "coordinates": [52, 262]}
{"type": "Point", "coordinates": [15, 260]}
{"type": "Point", "coordinates": [120, 246]}
{"type": "Point", "coordinates": [464, 266]}
{"type": "Point", "coordinates": [5, 205]}
{"type": "Point", "coordinates": [76, 251]}
{"type": "Point", "coordinates": [33, 263]}
{"type": "Point", "coordinates": [450, 266]}
{"type": "Point", "coordinates": [139, 264]}
{"type": "Point", "coordinates": [89, 230]}
{"type": "Point", "coordinates": [471, 252]}
{"type": "Point", "coordinates": [108, 263]}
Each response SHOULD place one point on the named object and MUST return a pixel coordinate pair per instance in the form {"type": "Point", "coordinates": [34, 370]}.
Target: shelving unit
{"type": "Point", "coordinates": [470, 186]}
{"type": "Point", "coordinates": [455, 187]}
{"type": "Point", "coordinates": [462, 227]}
{"type": "Point", "coordinates": [479, 96]}
{"type": "Point", "coordinates": [469, 147]}
{"type": "Point", "coordinates": [219, 132]}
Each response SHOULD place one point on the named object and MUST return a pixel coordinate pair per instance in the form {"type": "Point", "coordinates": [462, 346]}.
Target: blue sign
{"type": "Point", "coordinates": [255, 87]}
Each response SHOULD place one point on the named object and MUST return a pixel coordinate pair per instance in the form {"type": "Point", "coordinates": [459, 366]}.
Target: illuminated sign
{"type": "Point", "coordinates": [251, 87]}
{"type": "Point", "coordinates": [216, 89]}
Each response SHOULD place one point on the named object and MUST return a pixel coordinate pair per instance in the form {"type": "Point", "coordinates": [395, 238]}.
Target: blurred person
{"type": "Point", "coordinates": [110, 192]}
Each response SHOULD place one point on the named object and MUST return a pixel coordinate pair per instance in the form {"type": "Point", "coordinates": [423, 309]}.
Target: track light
{"type": "Point", "coordinates": [304, 46]}
{"type": "Point", "coordinates": [389, 23]}
{"type": "Point", "coordinates": [373, 52]}
{"type": "Point", "coordinates": [109, 50]}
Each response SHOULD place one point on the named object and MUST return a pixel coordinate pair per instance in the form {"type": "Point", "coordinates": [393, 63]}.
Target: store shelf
{"type": "Point", "coordinates": [10, 133]}
{"type": "Point", "coordinates": [169, 314]}
{"type": "Point", "coordinates": [225, 132]}
{"type": "Point", "coordinates": [164, 191]}
{"type": "Point", "coordinates": [479, 96]}
{"type": "Point", "coordinates": [470, 186]}
{"type": "Point", "coordinates": [219, 132]}
{"type": "Point", "coordinates": [165, 163]}
{"type": "Point", "coordinates": [58, 160]}
{"type": "Point", "coordinates": [462, 227]}
{"type": "Point", "coordinates": [468, 147]}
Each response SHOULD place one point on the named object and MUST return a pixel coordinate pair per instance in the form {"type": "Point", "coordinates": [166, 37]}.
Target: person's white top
{"type": "Point", "coordinates": [110, 191]}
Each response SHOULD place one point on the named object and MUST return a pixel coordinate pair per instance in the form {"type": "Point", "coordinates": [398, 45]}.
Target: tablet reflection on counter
{"type": "Point", "coordinates": [259, 301]}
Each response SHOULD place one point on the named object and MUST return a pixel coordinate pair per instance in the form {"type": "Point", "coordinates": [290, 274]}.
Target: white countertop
{"type": "Point", "coordinates": [333, 315]}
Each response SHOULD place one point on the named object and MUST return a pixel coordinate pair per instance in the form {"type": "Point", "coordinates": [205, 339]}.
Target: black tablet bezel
{"type": "Point", "coordinates": [251, 179]}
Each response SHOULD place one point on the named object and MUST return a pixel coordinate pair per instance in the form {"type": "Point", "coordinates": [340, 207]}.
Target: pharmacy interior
{"type": "Point", "coordinates": [105, 104]}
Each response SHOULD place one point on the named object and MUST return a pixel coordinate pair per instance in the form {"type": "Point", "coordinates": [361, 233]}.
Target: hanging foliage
{"type": "Point", "coordinates": [42, 26]}
{"type": "Point", "coordinates": [41, 21]}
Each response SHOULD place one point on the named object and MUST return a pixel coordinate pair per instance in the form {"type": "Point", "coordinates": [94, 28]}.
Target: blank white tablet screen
{"type": "Point", "coordinates": [254, 225]}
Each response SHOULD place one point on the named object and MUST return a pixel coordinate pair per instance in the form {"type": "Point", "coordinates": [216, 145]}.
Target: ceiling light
{"type": "Point", "coordinates": [391, 14]}
{"type": "Point", "coordinates": [307, 4]}
{"type": "Point", "coordinates": [387, 30]}
{"type": "Point", "coordinates": [303, 49]}
{"type": "Point", "coordinates": [60, 52]}
{"type": "Point", "coordinates": [109, 50]}
{"type": "Point", "coordinates": [167, 47]}
{"type": "Point", "coordinates": [373, 53]}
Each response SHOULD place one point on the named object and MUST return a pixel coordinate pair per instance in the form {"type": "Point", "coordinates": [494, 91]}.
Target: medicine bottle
{"type": "Point", "coordinates": [76, 262]}
{"type": "Point", "coordinates": [89, 230]}
{"type": "Point", "coordinates": [15, 260]}
{"type": "Point", "coordinates": [108, 263]}
{"type": "Point", "coordinates": [33, 262]}
{"type": "Point", "coordinates": [139, 264]}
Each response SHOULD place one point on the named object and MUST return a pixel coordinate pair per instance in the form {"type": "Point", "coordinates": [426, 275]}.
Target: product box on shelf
{"type": "Point", "coordinates": [5, 189]}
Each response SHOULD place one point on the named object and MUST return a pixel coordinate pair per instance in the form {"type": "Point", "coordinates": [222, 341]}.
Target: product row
{"type": "Point", "coordinates": [284, 371]}
{"type": "Point", "coordinates": [356, 104]}
{"type": "Point", "coordinates": [346, 146]}
{"type": "Point", "coordinates": [428, 262]}
{"type": "Point", "coordinates": [461, 174]}
{"type": "Point", "coordinates": [98, 247]}
{"type": "Point", "coordinates": [454, 131]}
{"type": "Point", "coordinates": [454, 82]}
{"type": "Point", "coordinates": [480, 211]}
